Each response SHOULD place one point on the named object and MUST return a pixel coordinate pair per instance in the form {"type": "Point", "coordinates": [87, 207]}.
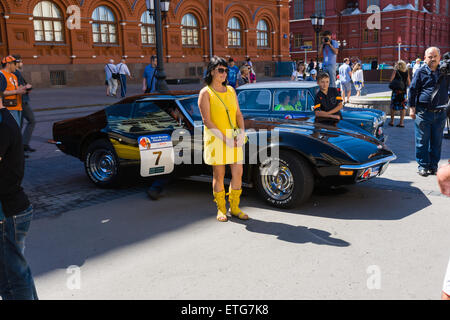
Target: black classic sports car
{"type": "Point", "coordinates": [162, 134]}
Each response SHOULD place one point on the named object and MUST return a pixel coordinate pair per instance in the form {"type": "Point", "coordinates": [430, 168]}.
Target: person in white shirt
{"type": "Point", "coordinates": [123, 71]}
{"type": "Point", "coordinates": [358, 78]}
{"type": "Point", "coordinates": [111, 71]}
{"type": "Point", "coordinates": [345, 78]}
{"type": "Point", "coordinates": [416, 67]}
{"type": "Point", "coordinates": [299, 74]}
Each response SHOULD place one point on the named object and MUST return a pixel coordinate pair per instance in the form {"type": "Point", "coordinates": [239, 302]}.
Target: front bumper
{"type": "Point", "coordinates": [368, 170]}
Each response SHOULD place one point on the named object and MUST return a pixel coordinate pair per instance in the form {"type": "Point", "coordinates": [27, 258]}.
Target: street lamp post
{"type": "Point", "coordinates": [155, 8]}
{"type": "Point", "coordinates": [317, 23]}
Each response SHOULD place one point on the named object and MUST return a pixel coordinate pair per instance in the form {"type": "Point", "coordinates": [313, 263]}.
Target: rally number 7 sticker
{"type": "Point", "coordinates": [159, 145]}
{"type": "Point", "coordinates": [159, 153]}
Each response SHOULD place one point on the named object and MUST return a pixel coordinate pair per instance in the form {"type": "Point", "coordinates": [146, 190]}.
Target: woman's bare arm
{"type": "Point", "coordinates": [393, 75]}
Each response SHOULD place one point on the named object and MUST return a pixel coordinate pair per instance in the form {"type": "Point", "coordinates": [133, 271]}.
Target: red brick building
{"type": "Point", "coordinates": [419, 24]}
{"type": "Point", "coordinates": [39, 31]}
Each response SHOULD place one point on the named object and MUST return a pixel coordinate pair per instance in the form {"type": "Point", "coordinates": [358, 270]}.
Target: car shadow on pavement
{"type": "Point", "coordinates": [383, 199]}
{"type": "Point", "coordinates": [380, 199]}
{"type": "Point", "coordinates": [289, 233]}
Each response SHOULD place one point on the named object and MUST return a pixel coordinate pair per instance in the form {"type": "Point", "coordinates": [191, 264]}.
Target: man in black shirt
{"type": "Point", "coordinates": [16, 213]}
{"type": "Point", "coordinates": [328, 102]}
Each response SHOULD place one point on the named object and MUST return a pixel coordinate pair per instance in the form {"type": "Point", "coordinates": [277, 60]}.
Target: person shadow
{"type": "Point", "coordinates": [289, 233]}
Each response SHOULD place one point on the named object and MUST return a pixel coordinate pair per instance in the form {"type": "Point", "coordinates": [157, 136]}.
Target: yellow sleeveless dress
{"type": "Point", "coordinates": [216, 152]}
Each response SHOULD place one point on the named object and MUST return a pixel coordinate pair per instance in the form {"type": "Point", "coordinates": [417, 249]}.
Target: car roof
{"type": "Point", "coordinates": [279, 85]}
{"type": "Point", "coordinates": [170, 95]}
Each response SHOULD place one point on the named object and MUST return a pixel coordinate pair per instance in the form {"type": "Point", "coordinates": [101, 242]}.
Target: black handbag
{"type": "Point", "coordinates": [114, 75]}
{"type": "Point", "coordinates": [397, 84]}
{"type": "Point", "coordinates": [9, 102]}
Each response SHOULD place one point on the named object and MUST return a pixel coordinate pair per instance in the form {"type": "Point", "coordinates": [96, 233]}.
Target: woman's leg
{"type": "Point", "coordinates": [392, 116]}
{"type": "Point", "coordinates": [236, 175]}
{"type": "Point", "coordinates": [218, 177]}
{"type": "Point", "coordinates": [402, 117]}
{"type": "Point", "coordinates": [219, 193]}
{"type": "Point", "coordinates": [236, 191]}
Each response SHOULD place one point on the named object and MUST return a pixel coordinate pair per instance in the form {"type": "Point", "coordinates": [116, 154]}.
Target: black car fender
{"type": "Point", "coordinates": [87, 139]}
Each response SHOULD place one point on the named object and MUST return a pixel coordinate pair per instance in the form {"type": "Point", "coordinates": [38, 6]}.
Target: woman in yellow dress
{"type": "Point", "coordinates": [224, 136]}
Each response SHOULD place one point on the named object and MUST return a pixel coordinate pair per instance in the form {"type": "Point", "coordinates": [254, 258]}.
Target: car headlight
{"type": "Point", "coordinates": [375, 122]}
{"type": "Point", "coordinates": [383, 117]}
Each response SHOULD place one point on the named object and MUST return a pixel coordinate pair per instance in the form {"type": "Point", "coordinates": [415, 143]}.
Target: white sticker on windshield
{"type": "Point", "coordinates": [157, 156]}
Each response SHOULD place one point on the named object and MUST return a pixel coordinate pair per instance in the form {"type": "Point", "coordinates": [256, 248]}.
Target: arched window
{"type": "Point", "coordinates": [104, 27]}
{"type": "Point", "coordinates": [148, 34]}
{"type": "Point", "coordinates": [190, 31]}
{"type": "Point", "coordinates": [262, 34]}
{"type": "Point", "coordinates": [48, 22]}
{"type": "Point", "coordinates": [234, 33]}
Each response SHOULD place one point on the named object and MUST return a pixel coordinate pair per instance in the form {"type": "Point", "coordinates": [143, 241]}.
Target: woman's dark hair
{"type": "Point", "coordinates": [214, 63]}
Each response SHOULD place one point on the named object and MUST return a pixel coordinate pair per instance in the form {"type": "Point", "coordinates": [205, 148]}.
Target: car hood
{"type": "Point", "coordinates": [360, 114]}
{"type": "Point", "coordinates": [355, 146]}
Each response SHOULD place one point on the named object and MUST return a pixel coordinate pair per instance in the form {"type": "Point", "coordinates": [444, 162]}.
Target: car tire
{"type": "Point", "coordinates": [292, 185]}
{"type": "Point", "coordinates": [102, 164]}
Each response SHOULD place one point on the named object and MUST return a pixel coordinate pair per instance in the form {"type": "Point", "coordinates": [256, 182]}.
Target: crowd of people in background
{"type": "Point", "coordinates": [347, 75]}
{"type": "Point", "coordinates": [238, 76]}
{"type": "Point", "coordinates": [426, 94]}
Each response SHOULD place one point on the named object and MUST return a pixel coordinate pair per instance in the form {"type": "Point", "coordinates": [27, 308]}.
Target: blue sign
{"type": "Point", "coordinates": [306, 47]}
{"type": "Point", "coordinates": [366, 66]}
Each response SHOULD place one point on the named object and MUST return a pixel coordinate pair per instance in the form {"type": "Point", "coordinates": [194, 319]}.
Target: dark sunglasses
{"type": "Point", "coordinates": [222, 70]}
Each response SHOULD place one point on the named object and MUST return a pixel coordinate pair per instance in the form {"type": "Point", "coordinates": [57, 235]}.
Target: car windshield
{"type": "Point", "coordinates": [191, 107]}
{"type": "Point", "coordinates": [293, 100]}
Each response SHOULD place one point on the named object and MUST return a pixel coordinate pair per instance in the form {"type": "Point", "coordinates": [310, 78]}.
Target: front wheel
{"type": "Point", "coordinates": [285, 182]}
{"type": "Point", "coordinates": [101, 164]}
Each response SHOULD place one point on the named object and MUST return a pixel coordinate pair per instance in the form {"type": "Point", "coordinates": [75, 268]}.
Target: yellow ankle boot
{"type": "Point", "coordinates": [219, 199]}
{"type": "Point", "coordinates": [234, 196]}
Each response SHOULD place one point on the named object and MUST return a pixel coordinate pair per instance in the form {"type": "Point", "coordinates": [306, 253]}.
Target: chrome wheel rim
{"type": "Point", "coordinates": [277, 182]}
{"type": "Point", "coordinates": [102, 165]}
